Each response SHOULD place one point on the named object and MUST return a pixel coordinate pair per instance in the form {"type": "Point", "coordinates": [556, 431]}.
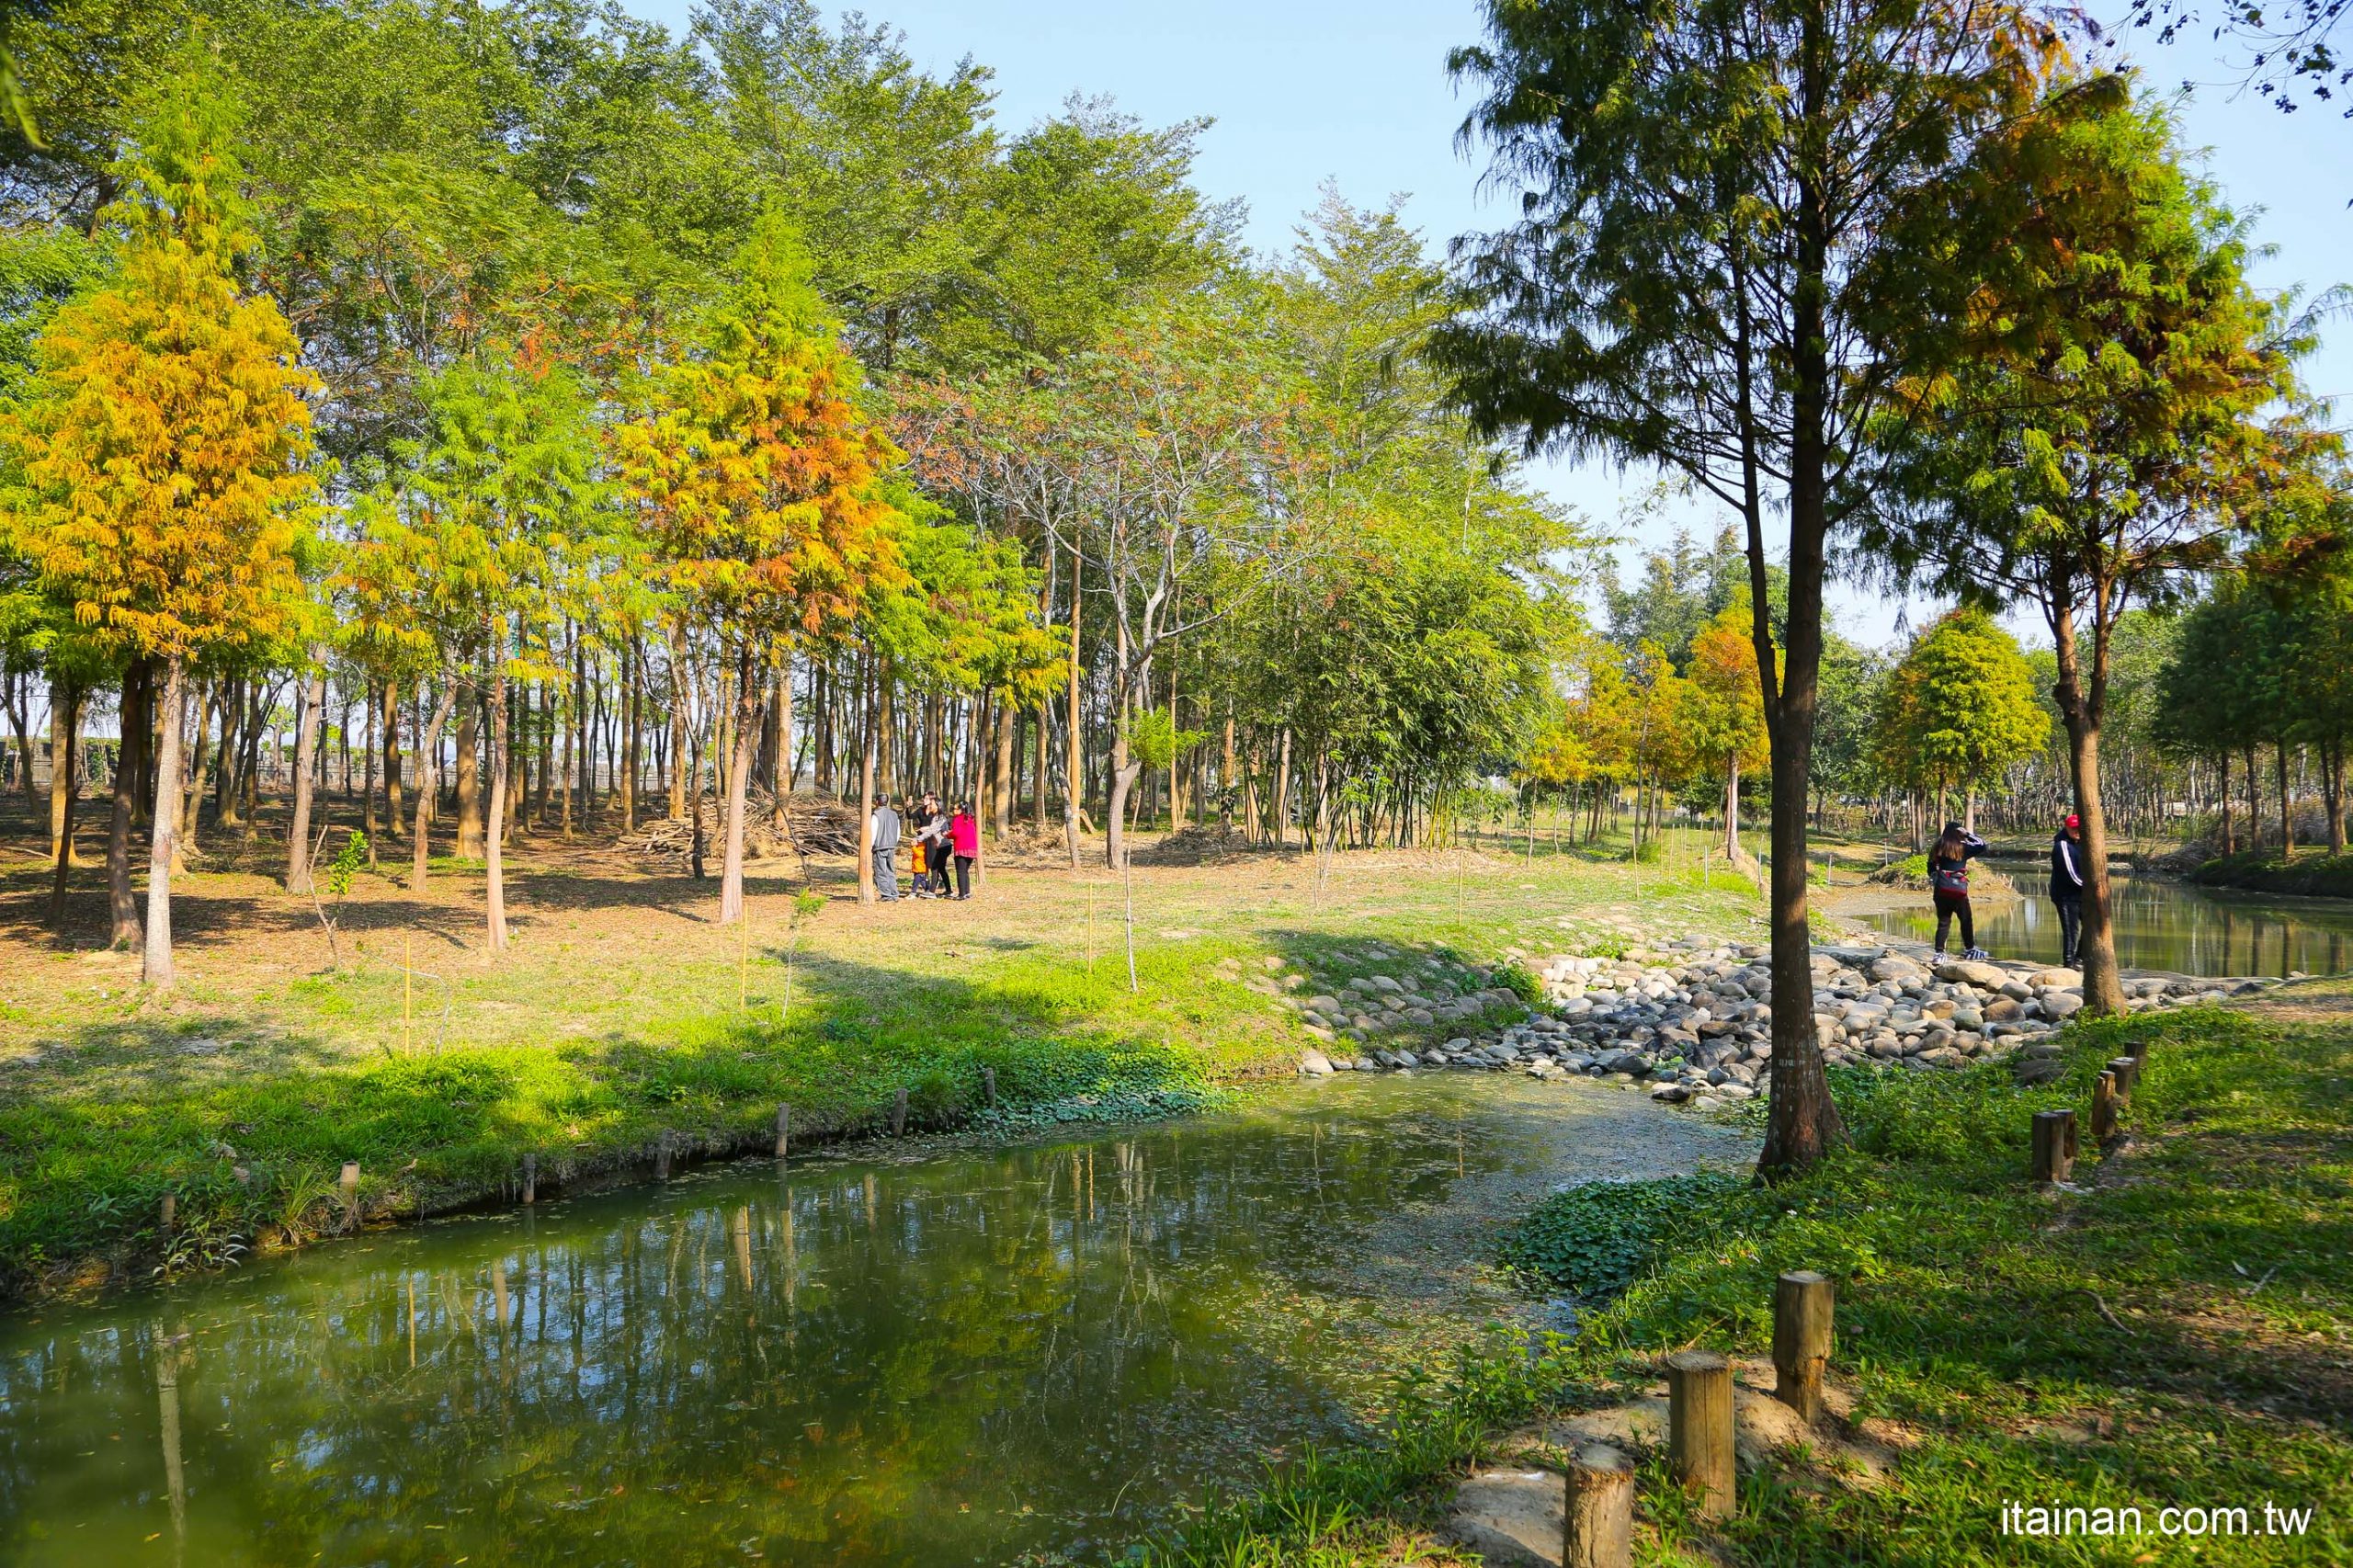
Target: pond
{"type": "Point", "coordinates": [2162, 923]}
{"type": "Point", "coordinates": [961, 1355]}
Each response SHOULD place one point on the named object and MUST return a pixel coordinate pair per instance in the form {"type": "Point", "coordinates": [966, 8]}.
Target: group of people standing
{"type": "Point", "coordinates": [935, 840]}
{"type": "Point", "coordinates": [1949, 887]}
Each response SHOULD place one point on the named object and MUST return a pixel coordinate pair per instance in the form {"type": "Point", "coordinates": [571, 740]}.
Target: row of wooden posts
{"type": "Point", "coordinates": [1599, 1528]}
{"type": "Point", "coordinates": [2053, 1158]}
{"type": "Point", "coordinates": [347, 1187]}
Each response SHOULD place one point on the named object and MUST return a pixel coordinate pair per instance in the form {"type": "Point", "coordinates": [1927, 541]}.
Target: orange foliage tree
{"type": "Point", "coordinates": [163, 447]}
{"type": "Point", "coordinates": [757, 479]}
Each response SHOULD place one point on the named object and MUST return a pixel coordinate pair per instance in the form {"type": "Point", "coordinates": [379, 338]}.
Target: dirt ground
{"type": "Point", "coordinates": [603, 939]}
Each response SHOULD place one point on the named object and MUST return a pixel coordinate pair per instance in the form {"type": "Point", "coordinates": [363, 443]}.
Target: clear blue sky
{"type": "Point", "coordinates": [1312, 90]}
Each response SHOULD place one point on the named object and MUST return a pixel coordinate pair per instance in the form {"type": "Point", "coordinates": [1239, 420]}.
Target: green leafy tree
{"type": "Point", "coordinates": [2086, 448]}
{"type": "Point", "coordinates": [1958, 706]}
{"type": "Point", "coordinates": [1720, 267]}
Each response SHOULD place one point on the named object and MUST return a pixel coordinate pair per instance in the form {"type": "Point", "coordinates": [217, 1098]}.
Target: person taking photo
{"type": "Point", "coordinates": [1949, 886]}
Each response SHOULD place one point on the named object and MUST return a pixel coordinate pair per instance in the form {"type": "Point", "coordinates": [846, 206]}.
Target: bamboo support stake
{"type": "Point", "coordinates": [2055, 1145]}
{"type": "Point", "coordinates": [1802, 1306]}
{"type": "Point", "coordinates": [1698, 1429]}
{"type": "Point", "coordinates": [1599, 1530]}
{"type": "Point", "coordinates": [783, 1130]}
{"type": "Point", "coordinates": [349, 1184]}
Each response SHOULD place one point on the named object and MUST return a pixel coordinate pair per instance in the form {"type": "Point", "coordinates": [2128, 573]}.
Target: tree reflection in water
{"type": "Point", "coordinates": [952, 1358]}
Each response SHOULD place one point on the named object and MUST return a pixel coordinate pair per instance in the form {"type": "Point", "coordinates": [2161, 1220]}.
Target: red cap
{"type": "Point", "coordinates": [2075, 821]}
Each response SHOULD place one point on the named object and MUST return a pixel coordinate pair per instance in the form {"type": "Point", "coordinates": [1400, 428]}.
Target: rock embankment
{"type": "Point", "coordinates": [1693, 1019]}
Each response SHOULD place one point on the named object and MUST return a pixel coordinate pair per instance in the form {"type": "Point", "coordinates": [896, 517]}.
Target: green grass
{"type": "Point", "coordinates": [1970, 1318]}
{"type": "Point", "coordinates": [2311, 873]}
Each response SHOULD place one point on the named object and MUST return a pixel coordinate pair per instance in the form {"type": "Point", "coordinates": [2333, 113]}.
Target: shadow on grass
{"type": "Point", "coordinates": [122, 1113]}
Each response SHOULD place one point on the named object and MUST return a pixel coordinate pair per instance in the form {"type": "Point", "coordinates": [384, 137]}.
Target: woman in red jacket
{"type": "Point", "coordinates": [965, 838]}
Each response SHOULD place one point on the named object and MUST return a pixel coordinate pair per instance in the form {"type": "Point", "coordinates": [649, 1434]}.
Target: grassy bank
{"type": "Point", "coordinates": [616, 1018]}
{"type": "Point", "coordinates": [2311, 873]}
{"type": "Point", "coordinates": [1974, 1325]}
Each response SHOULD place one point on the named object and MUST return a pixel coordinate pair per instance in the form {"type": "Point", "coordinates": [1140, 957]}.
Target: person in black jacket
{"type": "Point", "coordinates": [2067, 888]}
{"type": "Point", "coordinates": [1949, 885]}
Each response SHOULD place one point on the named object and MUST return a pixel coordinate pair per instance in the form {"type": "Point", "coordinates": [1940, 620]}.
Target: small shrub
{"type": "Point", "coordinates": [1521, 982]}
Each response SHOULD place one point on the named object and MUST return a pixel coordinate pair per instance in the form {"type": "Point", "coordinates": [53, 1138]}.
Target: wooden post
{"type": "Point", "coordinates": [662, 1156]}
{"type": "Point", "coordinates": [2104, 1108]}
{"type": "Point", "coordinates": [2055, 1145]}
{"type": "Point", "coordinates": [2128, 1074]}
{"type": "Point", "coordinates": [899, 1113]}
{"type": "Point", "coordinates": [1698, 1429]}
{"type": "Point", "coordinates": [531, 1180]}
{"type": "Point", "coordinates": [988, 1085]}
{"type": "Point", "coordinates": [1802, 1304]}
{"type": "Point", "coordinates": [783, 1129]}
{"type": "Point", "coordinates": [350, 1186]}
{"type": "Point", "coordinates": [1599, 1529]}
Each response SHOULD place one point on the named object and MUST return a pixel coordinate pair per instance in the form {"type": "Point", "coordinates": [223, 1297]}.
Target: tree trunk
{"type": "Point", "coordinates": [20, 717]}
{"type": "Point", "coordinates": [468, 770]}
{"type": "Point", "coordinates": [2081, 710]}
{"type": "Point", "coordinates": [2287, 815]}
{"type": "Point", "coordinates": [1075, 753]}
{"type": "Point", "coordinates": [164, 820]}
{"type": "Point", "coordinates": [633, 743]}
{"type": "Point", "coordinates": [866, 893]}
{"type": "Point", "coordinates": [390, 730]}
{"type": "Point", "coordinates": [2333, 790]}
{"type": "Point", "coordinates": [1803, 1123]}
{"type": "Point", "coordinates": [751, 731]}
{"type": "Point", "coordinates": [1731, 811]}
{"type": "Point", "coordinates": [1008, 783]}
{"type": "Point", "coordinates": [787, 760]}
{"type": "Point", "coordinates": [64, 791]}
{"type": "Point", "coordinates": [65, 722]}
{"type": "Point", "coordinates": [1279, 807]}
{"type": "Point", "coordinates": [130, 767]}
{"type": "Point", "coordinates": [543, 707]}
{"type": "Point", "coordinates": [298, 841]}
{"type": "Point", "coordinates": [192, 798]}
{"type": "Point", "coordinates": [2230, 828]}
{"type": "Point", "coordinates": [495, 826]}
{"type": "Point", "coordinates": [429, 751]}
{"type": "Point", "coordinates": [368, 789]}
{"type": "Point", "coordinates": [678, 803]}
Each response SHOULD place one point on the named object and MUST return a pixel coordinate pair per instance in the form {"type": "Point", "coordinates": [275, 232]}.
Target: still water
{"type": "Point", "coordinates": [973, 1356]}
{"type": "Point", "coordinates": [2164, 924]}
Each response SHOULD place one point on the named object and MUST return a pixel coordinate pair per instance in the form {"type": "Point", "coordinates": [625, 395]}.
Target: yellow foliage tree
{"type": "Point", "coordinates": [1727, 708]}
{"type": "Point", "coordinates": [163, 443]}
